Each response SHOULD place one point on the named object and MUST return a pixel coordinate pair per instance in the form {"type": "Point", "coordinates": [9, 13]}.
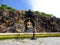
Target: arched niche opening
{"type": "Point", "coordinates": [29, 25]}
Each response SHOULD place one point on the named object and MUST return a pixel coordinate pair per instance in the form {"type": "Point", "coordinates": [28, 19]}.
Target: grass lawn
{"type": "Point", "coordinates": [22, 36]}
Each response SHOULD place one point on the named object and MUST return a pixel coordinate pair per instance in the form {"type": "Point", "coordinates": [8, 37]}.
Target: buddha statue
{"type": "Point", "coordinates": [29, 26]}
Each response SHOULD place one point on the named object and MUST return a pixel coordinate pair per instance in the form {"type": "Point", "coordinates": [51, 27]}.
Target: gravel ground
{"type": "Point", "coordinates": [39, 41]}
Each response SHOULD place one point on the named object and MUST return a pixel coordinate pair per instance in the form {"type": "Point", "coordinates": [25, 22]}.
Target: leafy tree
{"type": "Point", "coordinates": [46, 15]}
{"type": "Point", "coordinates": [36, 12]}
{"type": "Point", "coordinates": [3, 7]}
{"type": "Point", "coordinates": [42, 13]}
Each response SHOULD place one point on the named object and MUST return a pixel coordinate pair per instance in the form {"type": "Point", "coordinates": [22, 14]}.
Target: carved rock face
{"type": "Point", "coordinates": [39, 22]}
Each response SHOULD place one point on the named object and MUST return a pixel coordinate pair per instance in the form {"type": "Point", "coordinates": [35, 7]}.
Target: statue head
{"type": "Point", "coordinates": [29, 24]}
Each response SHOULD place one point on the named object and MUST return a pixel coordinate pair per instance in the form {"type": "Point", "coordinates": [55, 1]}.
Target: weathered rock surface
{"type": "Point", "coordinates": [15, 21]}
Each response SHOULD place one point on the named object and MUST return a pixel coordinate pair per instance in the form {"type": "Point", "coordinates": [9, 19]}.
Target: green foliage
{"type": "Point", "coordinates": [46, 15]}
{"type": "Point", "coordinates": [3, 7]}
{"type": "Point", "coordinates": [42, 13]}
{"type": "Point", "coordinates": [36, 12]}
{"type": "Point", "coordinates": [12, 9]}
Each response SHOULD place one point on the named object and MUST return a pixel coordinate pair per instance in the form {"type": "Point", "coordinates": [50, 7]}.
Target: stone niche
{"type": "Point", "coordinates": [29, 25]}
{"type": "Point", "coordinates": [29, 21]}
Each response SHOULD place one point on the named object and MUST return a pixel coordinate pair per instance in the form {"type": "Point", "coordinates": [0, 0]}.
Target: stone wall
{"type": "Point", "coordinates": [13, 21]}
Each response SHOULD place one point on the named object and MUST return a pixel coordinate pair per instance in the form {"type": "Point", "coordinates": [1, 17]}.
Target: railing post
{"type": "Point", "coordinates": [33, 37]}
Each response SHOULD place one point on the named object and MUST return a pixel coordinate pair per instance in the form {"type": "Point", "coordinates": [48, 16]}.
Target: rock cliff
{"type": "Point", "coordinates": [15, 21]}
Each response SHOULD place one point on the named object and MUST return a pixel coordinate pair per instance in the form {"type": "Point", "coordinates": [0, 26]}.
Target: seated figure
{"type": "Point", "coordinates": [29, 26]}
